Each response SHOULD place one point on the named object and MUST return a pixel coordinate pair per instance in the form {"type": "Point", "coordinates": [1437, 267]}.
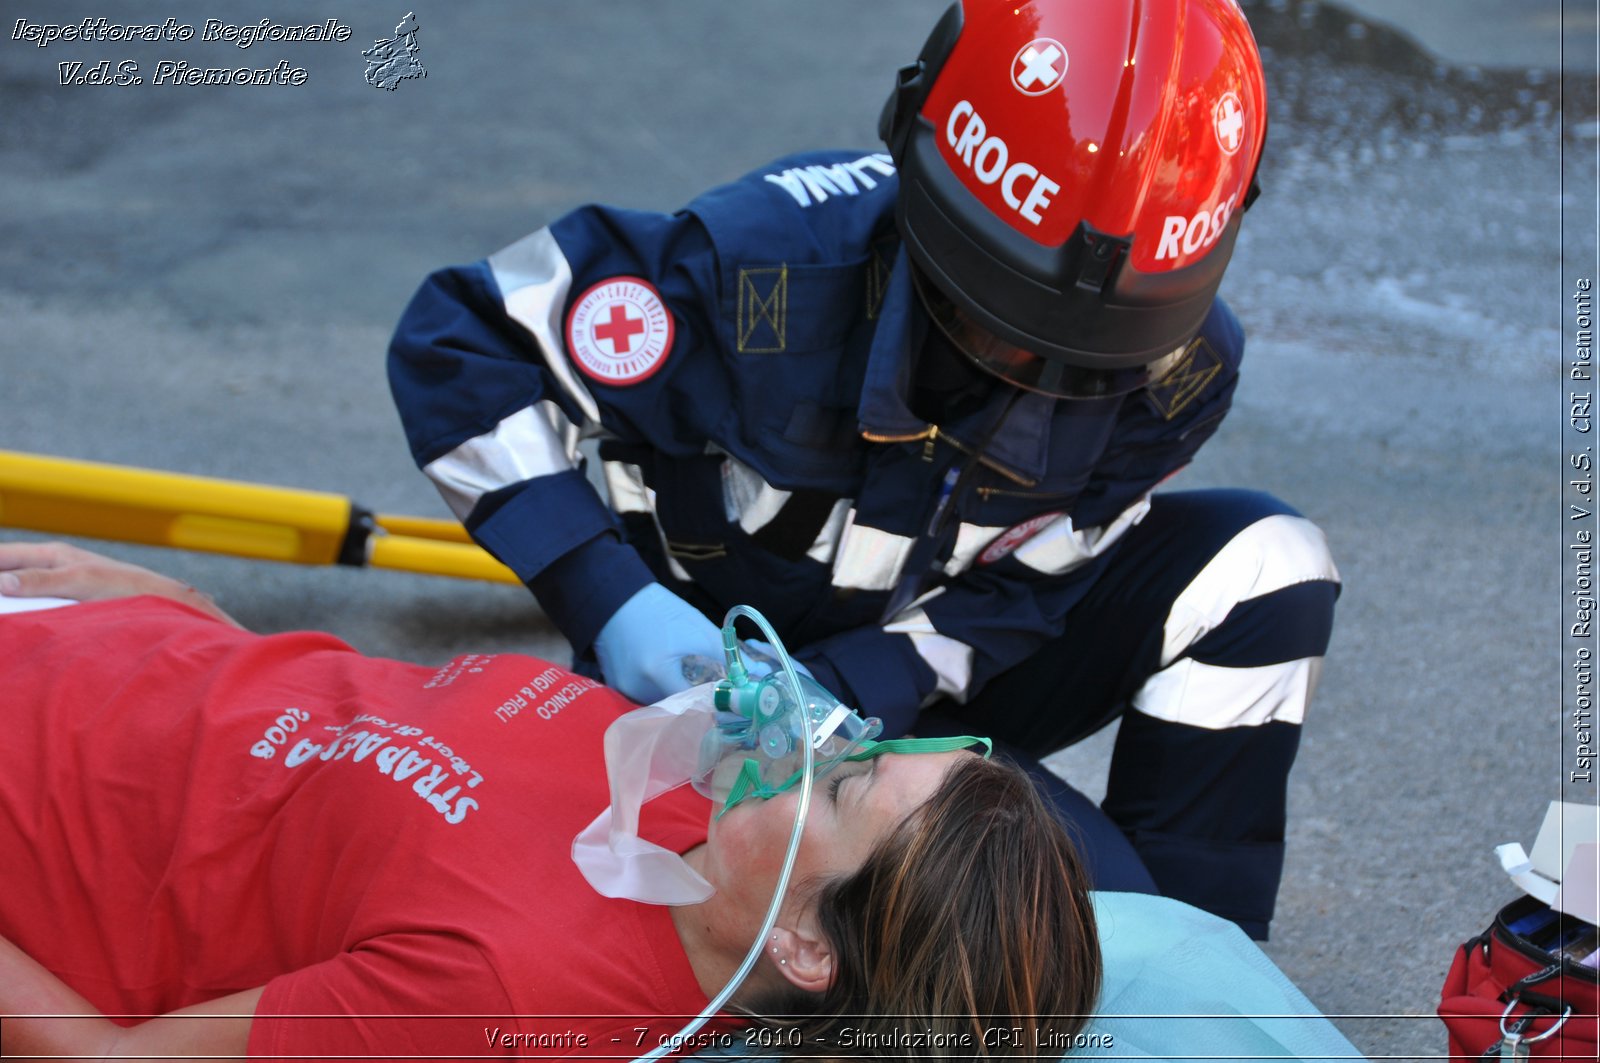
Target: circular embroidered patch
{"type": "Point", "coordinates": [619, 332]}
{"type": "Point", "coordinates": [1014, 537]}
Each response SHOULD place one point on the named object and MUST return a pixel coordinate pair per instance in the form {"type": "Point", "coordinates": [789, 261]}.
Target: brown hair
{"type": "Point", "coordinates": [967, 933]}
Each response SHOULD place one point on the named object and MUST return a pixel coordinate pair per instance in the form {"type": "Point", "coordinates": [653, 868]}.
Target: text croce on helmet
{"type": "Point", "coordinates": [1073, 174]}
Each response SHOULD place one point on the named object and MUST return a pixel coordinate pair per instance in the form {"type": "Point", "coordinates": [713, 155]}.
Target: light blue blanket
{"type": "Point", "coordinates": [1182, 984]}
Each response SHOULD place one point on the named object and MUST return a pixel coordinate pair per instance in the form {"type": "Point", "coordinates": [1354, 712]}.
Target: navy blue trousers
{"type": "Point", "coordinates": [1210, 711]}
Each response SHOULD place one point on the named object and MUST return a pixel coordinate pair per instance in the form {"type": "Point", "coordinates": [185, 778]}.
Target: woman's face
{"type": "Point", "coordinates": [853, 808]}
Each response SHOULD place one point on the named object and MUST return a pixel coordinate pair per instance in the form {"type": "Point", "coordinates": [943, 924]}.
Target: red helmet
{"type": "Point", "coordinates": [1072, 177]}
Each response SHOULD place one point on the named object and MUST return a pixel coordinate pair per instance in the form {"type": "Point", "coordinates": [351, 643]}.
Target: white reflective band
{"type": "Point", "coordinates": [1269, 555]}
{"type": "Point", "coordinates": [534, 279]}
{"type": "Point", "coordinates": [626, 489]}
{"type": "Point", "coordinates": [524, 446]}
{"type": "Point", "coordinates": [673, 565]}
{"type": "Point", "coordinates": [1059, 547]}
{"type": "Point", "coordinates": [747, 498]}
{"type": "Point", "coordinates": [870, 559]}
{"type": "Point", "coordinates": [970, 541]}
{"type": "Point", "coordinates": [950, 660]}
{"type": "Point", "coordinates": [1213, 697]}
{"type": "Point", "coordinates": [827, 544]}
{"type": "Point", "coordinates": [753, 504]}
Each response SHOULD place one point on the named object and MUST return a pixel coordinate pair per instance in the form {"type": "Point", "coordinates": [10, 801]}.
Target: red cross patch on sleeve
{"type": "Point", "coordinates": [619, 331]}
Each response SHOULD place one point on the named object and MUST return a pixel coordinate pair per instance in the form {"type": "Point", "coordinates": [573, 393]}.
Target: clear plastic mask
{"type": "Point", "coordinates": [755, 748]}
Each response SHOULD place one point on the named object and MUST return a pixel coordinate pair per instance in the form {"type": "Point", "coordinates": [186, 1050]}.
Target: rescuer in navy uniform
{"type": "Point", "coordinates": [913, 406]}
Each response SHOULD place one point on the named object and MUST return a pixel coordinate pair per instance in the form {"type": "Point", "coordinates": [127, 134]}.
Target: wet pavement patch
{"type": "Point", "coordinates": [1332, 75]}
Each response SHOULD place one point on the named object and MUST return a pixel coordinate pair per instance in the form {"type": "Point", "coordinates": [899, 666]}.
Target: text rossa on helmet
{"type": "Point", "coordinates": [1073, 174]}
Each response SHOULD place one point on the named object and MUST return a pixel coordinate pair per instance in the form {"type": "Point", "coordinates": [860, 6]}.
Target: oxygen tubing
{"type": "Point", "coordinates": [735, 662]}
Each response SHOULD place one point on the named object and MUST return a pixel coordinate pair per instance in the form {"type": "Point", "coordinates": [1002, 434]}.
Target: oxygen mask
{"type": "Point", "coordinates": [756, 744]}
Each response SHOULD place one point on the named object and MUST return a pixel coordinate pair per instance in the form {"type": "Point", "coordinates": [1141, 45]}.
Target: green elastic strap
{"type": "Point", "coordinates": [749, 777]}
{"type": "Point", "coordinates": [871, 749]}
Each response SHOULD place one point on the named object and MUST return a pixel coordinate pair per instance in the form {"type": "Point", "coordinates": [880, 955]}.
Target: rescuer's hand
{"type": "Point", "coordinates": [642, 647]}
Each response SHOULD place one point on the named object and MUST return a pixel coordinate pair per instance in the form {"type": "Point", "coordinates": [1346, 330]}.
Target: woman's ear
{"type": "Point", "coordinates": [803, 956]}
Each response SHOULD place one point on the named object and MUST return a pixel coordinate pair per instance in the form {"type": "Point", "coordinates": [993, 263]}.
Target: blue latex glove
{"type": "Point", "coordinates": [642, 647]}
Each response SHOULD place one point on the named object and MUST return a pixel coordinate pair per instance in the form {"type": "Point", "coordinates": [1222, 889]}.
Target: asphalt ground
{"type": "Point", "coordinates": [203, 278]}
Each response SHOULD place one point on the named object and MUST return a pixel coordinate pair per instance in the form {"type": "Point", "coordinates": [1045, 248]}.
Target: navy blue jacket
{"type": "Point", "coordinates": [769, 453]}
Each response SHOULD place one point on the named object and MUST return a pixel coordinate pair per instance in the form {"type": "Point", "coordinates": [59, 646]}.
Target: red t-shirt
{"type": "Point", "coordinates": [188, 810]}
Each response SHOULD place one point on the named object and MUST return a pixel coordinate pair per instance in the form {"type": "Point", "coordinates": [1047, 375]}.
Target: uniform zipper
{"type": "Point", "coordinates": [930, 435]}
{"type": "Point", "coordinates": [987, 463]}
{"type": "Point", "coordinates": [987, 493]}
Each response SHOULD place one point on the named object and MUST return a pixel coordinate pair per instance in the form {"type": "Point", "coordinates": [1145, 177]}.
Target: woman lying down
{"type": "Point", "coordinates": [221, 843]}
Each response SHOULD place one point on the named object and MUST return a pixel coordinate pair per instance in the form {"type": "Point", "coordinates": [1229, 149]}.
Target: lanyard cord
{"type": "Point", "coordinates": [941, 514]}
{"type": "Point", "coordinates": [926, 548]}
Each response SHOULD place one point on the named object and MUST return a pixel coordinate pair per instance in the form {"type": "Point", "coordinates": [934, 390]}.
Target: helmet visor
{"type": "Point", "coordinates": [1016, 365]}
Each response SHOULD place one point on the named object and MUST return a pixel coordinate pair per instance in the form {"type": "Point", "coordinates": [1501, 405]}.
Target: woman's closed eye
{"type": "Point", "coordinates": [845, 772]}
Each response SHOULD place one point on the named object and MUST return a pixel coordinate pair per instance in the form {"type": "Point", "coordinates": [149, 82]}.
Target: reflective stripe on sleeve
{"type": "Point", "coordinates": [749, 499]}
{"type": "Point", "coordinates": [626, 489]}
{"type": "Point", "coordinates": [827, 544]}
{"type": "Point", "coordinates": [535, 441]}
{"type": "Point", "coordinates": [534, 280]}
{"type": "Point", "coordinates": [950, 660]}
{"type": "Point", "coordinates": [753, 504]}
{"type": "Point", "coordinates": [970, 541]}
{"type": "Point", "coordinates": [869, 559]}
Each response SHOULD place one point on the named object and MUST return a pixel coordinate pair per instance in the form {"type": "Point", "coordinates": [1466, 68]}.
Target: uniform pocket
{"type": "Point", "coordinates": [778, 308]}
